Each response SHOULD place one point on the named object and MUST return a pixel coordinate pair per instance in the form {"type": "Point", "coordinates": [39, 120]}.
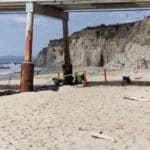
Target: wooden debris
{"type": "Point", "coordinates": [136, 99]}
{"type": "Point", "coordinates": [138, 78]}
{"type": "Point", "coordinates": [103, 136]}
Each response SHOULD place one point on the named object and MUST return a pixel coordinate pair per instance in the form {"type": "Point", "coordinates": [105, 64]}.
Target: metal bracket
{"type": "Point", "coordinates": [29, 7]}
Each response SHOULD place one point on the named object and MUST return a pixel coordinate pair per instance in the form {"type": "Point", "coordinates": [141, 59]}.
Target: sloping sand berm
{"type": "Point", "coordinates": [66, 119]}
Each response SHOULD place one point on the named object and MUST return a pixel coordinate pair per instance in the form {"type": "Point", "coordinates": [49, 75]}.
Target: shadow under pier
{"type": "Point", "coordinates": [118, 83]}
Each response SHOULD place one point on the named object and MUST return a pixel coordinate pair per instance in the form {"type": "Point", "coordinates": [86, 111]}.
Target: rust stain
{"type": "Point", "coordinates": [27, 73]}
{"type": "Point", "coordinates": [28, 45]}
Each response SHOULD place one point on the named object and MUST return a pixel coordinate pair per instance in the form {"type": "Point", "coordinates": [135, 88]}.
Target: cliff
{"type": "Point", "coordinates": [123, 45]}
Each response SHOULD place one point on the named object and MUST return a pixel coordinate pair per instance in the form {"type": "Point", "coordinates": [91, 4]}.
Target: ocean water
{"type": "Point", "coordinates": [11, 67]}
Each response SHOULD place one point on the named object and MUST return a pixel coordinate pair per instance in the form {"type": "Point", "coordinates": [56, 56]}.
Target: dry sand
{"type": "Point", "coordinates": [65, 119]}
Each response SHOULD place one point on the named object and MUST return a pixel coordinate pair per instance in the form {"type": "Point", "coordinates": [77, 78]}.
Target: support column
{"type": "Point", "coordinates": [67, 67]}
{"type": "Point", "coordinates": [27, 68]}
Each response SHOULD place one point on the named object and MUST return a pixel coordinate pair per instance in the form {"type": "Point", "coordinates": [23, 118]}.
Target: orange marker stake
{"type": "Point", "coordinates": [84, 79]}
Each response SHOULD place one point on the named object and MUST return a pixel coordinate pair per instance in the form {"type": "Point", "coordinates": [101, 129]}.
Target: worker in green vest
{"type": "Point", "coordinates": [78, 78]}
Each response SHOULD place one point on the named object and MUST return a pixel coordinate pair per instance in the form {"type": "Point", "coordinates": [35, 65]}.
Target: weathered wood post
{"type": "Point", "coordinates": [27, 68]}
{"type": "Point", "coordinates": [67, 66]}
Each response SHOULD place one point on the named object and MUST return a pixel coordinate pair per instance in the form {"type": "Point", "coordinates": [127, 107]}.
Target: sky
{"type": "Point", "coordinates": [13, 26]}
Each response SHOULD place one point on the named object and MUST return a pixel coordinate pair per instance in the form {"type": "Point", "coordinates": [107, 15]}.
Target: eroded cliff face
{"type": "Point", "coordinates": [125, 45]}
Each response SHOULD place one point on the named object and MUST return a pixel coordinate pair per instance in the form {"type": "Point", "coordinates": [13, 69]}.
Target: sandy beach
{"type": "Point", "coordinates": [67, 118]}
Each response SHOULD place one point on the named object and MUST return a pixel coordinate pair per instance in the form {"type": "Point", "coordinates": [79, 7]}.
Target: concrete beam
{"type": "Point", "coordinates": [75, 1]}
{"type": "Point", "coordinates": [45, 10]}
{"type": "Point", "coordinates": [67, 5]}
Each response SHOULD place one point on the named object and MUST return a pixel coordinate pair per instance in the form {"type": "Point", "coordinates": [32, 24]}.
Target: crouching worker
{"type": "Point", "coordinates": [57, 80]}
{"type": "Point", "coordinates": [78, 78]}
{"type": "Point", "coordinates": [126, 79]}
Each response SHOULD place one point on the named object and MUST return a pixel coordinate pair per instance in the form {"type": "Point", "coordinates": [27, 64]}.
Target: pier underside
{"type": "Point", "coordinates": [67, 5]}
